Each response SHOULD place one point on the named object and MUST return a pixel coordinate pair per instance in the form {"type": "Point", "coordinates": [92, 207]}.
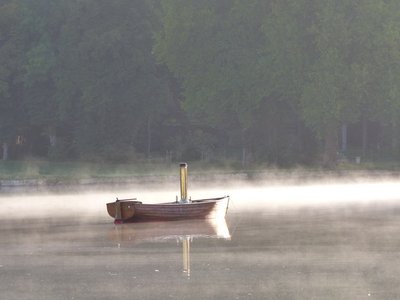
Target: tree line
{"type": "Point", "coordinates": [269, 81]}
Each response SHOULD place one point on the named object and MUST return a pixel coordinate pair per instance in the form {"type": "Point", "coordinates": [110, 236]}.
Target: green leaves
{"type": "Point", "coordinates": [325, 60]}
{"type": "Point", "coordinates": [249, 75]}
{"type": "Point", "coordinates": [117, 81]}
{"type": "Point", "coordinates": [211, 47]}
{"type": "Point", "coordinates": [82, 70]}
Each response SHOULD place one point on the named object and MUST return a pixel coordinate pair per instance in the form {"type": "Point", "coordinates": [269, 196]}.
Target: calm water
{"type": "Point", "coordinates": [277, 242]}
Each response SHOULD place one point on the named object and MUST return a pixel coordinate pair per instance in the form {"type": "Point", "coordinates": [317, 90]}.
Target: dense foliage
{"type": "Point", "coordinates": [276, 81]}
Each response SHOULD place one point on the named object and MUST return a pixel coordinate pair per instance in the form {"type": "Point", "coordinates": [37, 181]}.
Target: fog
{"type": "Point", "coordinates": [89, 202]}
{"type": "Point", "coordinates": [313, 240]}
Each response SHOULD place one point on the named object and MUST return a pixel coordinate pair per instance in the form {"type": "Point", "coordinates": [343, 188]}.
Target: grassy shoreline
{"type": "Point", "coordinates": [46, 173]}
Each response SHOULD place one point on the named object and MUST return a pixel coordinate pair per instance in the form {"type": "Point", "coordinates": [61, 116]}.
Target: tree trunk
{"type": "Point", "coordinates": [330, 146]}
{"type": "Point", "coordinates": [364, 136]}
{"type": "Point", "coordinates": [5, 151]}
{"type": "Point", "coordinates": [344, 138]}
{"type": "Point", "coordinates": [395, 137]}
{"type": "Point", "coordinates": [52, 140]}
{"type": "Point", "coordinates": [51, 134]}
{"type": "Point", "coordinates": [148, 137]}
{"type": "Point", "coordinates": [243, 156]}
{"type": "Point", "coordinates": [244, 148]}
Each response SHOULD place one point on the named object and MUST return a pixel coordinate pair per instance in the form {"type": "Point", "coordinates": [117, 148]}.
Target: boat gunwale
{"type": "Point", "coordinates": [192, 202]}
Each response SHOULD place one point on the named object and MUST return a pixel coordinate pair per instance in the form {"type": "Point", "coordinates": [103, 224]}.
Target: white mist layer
{"type": "Point", "coordinates": [243, 197]}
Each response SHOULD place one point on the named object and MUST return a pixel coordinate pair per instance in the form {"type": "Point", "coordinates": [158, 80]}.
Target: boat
{"type": "Point", "coordinates": [131, 210]}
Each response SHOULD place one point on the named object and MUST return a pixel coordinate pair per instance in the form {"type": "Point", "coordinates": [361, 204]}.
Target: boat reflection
{"type": "Point", "coordinates": [184, 232]}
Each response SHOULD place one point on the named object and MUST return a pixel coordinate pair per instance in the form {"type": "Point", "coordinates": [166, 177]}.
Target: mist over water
{"type": "Point", "coordinates": [322, 240]}
{"type": "Point", "coordinates": [244, 196]}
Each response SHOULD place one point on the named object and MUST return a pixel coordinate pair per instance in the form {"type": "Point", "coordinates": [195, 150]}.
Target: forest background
{"type": "Point", "coordinates": [255, 82]}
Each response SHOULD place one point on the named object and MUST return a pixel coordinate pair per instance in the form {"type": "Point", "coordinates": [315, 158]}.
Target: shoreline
{"type": "Point", "coordinates": [272, 177]}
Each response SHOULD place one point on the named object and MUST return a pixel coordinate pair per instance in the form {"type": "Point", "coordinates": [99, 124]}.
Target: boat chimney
{"type": "Point", "coordinates": [183, 181]}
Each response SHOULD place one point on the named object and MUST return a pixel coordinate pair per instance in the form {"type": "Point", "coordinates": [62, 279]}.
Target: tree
{"type": "Point", "coordinates": [287, 55]}
{"type": "Point", "coordinates": [353, 76]}
{"type": "Point", "coordinates": [40, 28]}
{"type": "Point", "coordinates": [212, 47]}
{"type": "Point", "coordinates": [108, 81]}
{"type": "Point", "coordinates": [11, 111]}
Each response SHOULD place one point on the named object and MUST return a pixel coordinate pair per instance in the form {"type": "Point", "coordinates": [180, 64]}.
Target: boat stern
{"type": "Point", "coordinates": [121, 210]}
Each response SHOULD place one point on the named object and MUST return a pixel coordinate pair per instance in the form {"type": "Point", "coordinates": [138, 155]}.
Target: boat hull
{"type": "Point", "coordinates": [131, 211]}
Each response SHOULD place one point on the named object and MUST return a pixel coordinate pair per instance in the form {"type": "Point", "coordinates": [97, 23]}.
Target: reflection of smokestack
{"type": "Point", "coordinates": [186, 255]}
{"type": "Point", "coordinates": [183, 181]}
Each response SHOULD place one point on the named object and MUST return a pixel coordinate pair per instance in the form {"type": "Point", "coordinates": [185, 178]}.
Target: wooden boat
{"type": "Point", "coordinates": [131, 210]}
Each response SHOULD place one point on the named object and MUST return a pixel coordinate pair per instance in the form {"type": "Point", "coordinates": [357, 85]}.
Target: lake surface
{"type": "Point", "coordinates": [327, 241]}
